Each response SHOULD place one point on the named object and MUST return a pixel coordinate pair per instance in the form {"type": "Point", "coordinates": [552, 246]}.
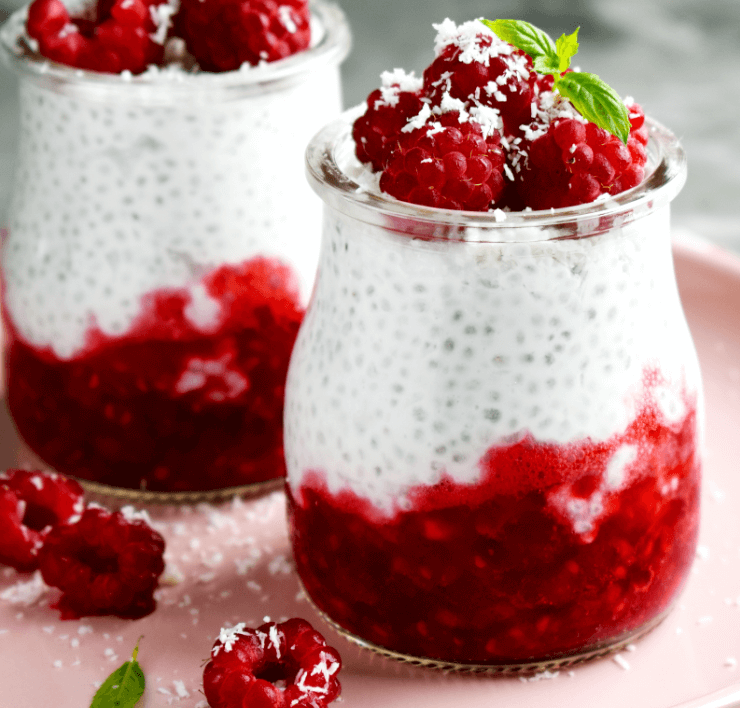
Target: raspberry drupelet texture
{"type": "Point", "coordinates": [246, 664]}
{"type": "Point", "coordinates": [389, 108]}
{"type": "Point", "coordinates": [121, 37]}
{"type": "Point", "coordinates": [478, 68]}
{"type": "Point", "coordinates": [129, 35]}
{"type": "Point", "coordinates": [224, 34]}
{"type": "Point", "coordinates": [542, 152]}
{"type": "Point", "coordinates": [449, 164]}
{"type": "Point", "coordinates": [31, 504]}
{"type": "Point", "coordinates": [105, 563]}
{"type": "Point", "coordinates": [564, 160]}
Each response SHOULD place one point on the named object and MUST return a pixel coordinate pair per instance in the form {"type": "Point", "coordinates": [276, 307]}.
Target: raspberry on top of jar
{"type": "Point", "coordinates": [114, 36]}
{"type": "Point", "coordinates": [493, 125]}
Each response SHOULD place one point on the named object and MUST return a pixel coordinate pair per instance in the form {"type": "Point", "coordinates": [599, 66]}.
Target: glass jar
{"type": "Point", "coordinates": [493, 422]}
{"type": "Point", "coordinates": [162, 246]}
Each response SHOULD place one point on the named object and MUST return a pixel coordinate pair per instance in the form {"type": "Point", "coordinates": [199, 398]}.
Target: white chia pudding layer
{"type": "Point", "coordinates": [417, 356]}
{"type": "Point", "coordinates": [115, 198]}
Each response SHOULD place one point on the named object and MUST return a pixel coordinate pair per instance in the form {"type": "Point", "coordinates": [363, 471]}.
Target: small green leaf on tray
{"type": "Point", "coordinates": [124, 687]}
{"type": "Point", "coordinates": [596, 101]}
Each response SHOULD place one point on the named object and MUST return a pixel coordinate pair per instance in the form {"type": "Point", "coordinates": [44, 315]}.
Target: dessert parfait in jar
{"type": "Point", "coordinates": [494, 406]}
{"type": "Point", "coordinates": [162, 240]}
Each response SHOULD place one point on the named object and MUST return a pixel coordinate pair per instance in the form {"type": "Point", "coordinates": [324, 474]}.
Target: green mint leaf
{"type": "Point", "coordinates": [595, 101]}
{"type": "Point", "coordinates": [124, 687]}
{"type": "Point", "coordinates": [546, 65]}
{"type": "Point", "coordinates": [567, 48]}
{"type": "Point", "coordinates": [531, 40]}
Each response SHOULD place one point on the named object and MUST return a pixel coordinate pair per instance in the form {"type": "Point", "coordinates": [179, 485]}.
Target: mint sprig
{"type": "Point", "coordinates": [124, 687]}
{"type": "Point", "coordinates": [593, 98]}
{"type": "Point", "coordinates": [529, 39]}
{"type": "Point", "coordinates": [566, 49]}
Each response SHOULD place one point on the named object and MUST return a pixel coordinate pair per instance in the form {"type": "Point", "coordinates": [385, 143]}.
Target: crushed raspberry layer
{"type": "Point", "coordinates": [246, 664]}
{"type": "Point", "coordinates": [551, 156]}
{"type": "Point", "coordinates": [31, 504]}
{"type": "Point", "coordinates": [505, 570]}
{"type": "Point", "coordinates": [105, 564]}
{"type": "Point", "coordinates": [224, 34]}
{"type": "Point", "coordinates": [167, 406]}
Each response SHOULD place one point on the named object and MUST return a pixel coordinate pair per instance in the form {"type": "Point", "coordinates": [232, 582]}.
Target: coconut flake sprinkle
{"type": "Point", "coordinates": [475, 40]}
{"type": "Point", "coordinates": [228, 636]}
{"type": "Point", "coordinates": [394, 82]}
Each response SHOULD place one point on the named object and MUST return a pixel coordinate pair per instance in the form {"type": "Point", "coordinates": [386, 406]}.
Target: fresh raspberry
{"type": "Point", "coordinates": [224, 34]}
{"type": "Point", "coordinates": [246, 664]}
{"type": "Point", "coordinates": [31, 504]}
{"type": "Point", "coordinates": [446, 163]}
{"type": "Point", "coordinates": [46, 17]}
{"type": "Point", "coordinates": [106, 563]}
{"type": "Point", "coordinates": [570, 161]}
{"type": "Point", "coordinates": [389, 108]}
{"type": "Point", "coordinates": [120, 39]}
{"type": "Point", "coordinates": [475, 66]}
{"type": "Point", "coordinates": [549, 154]}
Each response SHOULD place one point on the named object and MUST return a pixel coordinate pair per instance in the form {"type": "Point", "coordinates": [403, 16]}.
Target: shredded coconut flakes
{"type": "Point", "coordinates": [467, 37]}
{"type": "Point", "coordinates": [488, 118]}
{"type": "Point", "coordinates": [286, 18]}
{"type": "Point", "coordinates": [418, 120]}
{"type": "Point", "coordinates": [132, 514]}
{"type": "Point", "coordinates": [620, 661]}
{"type": "Point", "coordinates": [227, 636]}
{"type": "Point", "coordinates": [394, 82]}
{"type": "Point", "coordinates": [26, 592]}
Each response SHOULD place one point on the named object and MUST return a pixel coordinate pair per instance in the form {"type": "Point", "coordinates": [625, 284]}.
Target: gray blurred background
{"type": "Point", "coordinates": [679, 58]}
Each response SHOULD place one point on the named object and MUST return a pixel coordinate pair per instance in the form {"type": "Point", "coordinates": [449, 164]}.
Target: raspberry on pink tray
{"type": "Point", "coordinates": [493, 411]}
{"type": "Point", "coordinates": [162, 239]}
{"type": "Point", "coordinates": [31, 504]}
{"type": "Point", "coordinates": [105, 563]}
{"type": "Point", "coordinates": [246, 664]}
{"type": "Point", "coordinates": [534, 147]}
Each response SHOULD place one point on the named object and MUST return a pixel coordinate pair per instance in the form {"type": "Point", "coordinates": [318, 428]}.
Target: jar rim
{"type": "Point", "coordinates": [332, 148]}
{"type": "Point", "coordinates": [328, 22]}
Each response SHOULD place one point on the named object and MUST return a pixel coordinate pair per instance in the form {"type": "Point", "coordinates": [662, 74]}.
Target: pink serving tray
{"type": "Point", "coordinates": [231, 563]}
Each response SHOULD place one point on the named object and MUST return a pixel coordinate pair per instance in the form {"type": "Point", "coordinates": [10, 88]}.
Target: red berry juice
{"type": "Point", "coordinates": [168, 406]}
{"type": "Point", "coordinates": [501, 570]}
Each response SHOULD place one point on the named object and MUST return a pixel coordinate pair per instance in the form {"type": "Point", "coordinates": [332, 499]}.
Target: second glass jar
{"type": "Point", "coordinates": [493, 422]}
{"type": "Point", "coordinates": [162, 247]}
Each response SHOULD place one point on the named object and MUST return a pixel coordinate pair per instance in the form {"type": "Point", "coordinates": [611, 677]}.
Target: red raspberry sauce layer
{"type": "Point", "coordinates": [494, 572]}
{"type": "Point", "coordinates": [168, 407]}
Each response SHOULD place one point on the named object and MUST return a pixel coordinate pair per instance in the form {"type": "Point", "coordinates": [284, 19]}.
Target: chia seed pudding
{"type": "Point", "coordinates": [162, 247]}
{"type": "Point", "coordinates": [493, 420]}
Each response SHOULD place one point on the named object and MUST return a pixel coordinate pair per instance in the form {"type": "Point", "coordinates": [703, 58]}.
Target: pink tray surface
{"type": "Point", "coordinates": [231, 563]}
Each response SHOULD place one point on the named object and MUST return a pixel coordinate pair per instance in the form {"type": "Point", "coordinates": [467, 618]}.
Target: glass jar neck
{"type": "Point", "coordinates": [337, 176]}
